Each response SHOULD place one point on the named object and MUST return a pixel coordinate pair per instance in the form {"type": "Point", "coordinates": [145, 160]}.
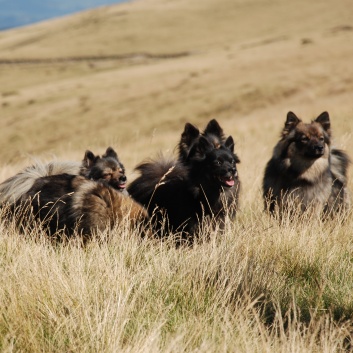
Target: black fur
{"type": "Point", "coordinates": [191, 134]}
{"type": "Point", "coordinates": [203, 182]}
{"type": "Point", "coordinates": [49, 201]}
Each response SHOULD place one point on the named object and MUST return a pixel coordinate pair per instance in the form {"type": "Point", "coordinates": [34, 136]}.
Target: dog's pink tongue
{"type": "Point", "coordinates": [122, 186]}
{"type": "Point", "coordinates": [230, 182]}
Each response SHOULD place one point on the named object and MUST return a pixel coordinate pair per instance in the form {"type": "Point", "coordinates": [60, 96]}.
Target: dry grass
{"type": "Point", "coordinates": [263, 286]}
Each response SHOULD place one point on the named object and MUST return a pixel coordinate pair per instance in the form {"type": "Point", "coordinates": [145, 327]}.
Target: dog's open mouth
{"type": "Point", "coordinates": [121, 184]}
{"type": "Point", "coordinates": [118, 184]}
{"type": "Point", "coordinates": [227, 181]}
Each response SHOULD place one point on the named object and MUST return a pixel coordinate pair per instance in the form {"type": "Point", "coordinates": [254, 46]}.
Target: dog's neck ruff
{"type": "Point", "coordinates": [310, 170]}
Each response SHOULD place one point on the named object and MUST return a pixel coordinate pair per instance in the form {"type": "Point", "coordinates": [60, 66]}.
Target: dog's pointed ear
{"type": "Point", "coordinates": [324, 120]}
{"type": "Point", "coordinates": [89, 159]}
{"type": "Point", "coordinates": [229, 143]}
{"type": "Point", "coordinates": [214, 128]}
{"type": "Point", "coordinates": [188, 137]}
{"type": "Point", "coordinates": [110, 153]}
{"type": "Point", "coordinates": [189, 134]}
{"type": "Point", "coordinates": [291, 122]}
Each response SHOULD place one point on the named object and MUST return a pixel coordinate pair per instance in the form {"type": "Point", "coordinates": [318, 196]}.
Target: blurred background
{"type": "Point", "coordinates": [131, 74]}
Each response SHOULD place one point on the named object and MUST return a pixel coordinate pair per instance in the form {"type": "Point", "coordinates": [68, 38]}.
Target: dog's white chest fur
{"type": "Point", "coordinates": [316, 174]}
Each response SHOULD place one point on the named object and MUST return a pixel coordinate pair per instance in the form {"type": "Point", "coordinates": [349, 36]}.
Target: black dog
{"type": "Point", "coordinates": [202, 183]}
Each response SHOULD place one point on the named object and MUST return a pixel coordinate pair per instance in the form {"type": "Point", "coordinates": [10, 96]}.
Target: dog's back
{"type": "Point", "coordinates": [162, 188]}
{"type": "Point", "coordinates": [72, 203]}
{"type": "Point", "coordinates": [152, 174]}
{"type": "Point", "coordinates": [107, 168]}
{"type": "Point", "coordinates": [14, 187]}
{"type": "Point", "coordinates": [48, 202]}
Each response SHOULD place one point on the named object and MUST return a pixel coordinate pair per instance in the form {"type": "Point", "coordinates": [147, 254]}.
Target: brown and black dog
{"type": "Point", "coordinates": [107, 168]}
{"type": "Point", "coordinates": [72, 197]}
{"type": "Point", "coordinates": [73, 204]}
{"type": "Point", "coordinates": [305, 172]}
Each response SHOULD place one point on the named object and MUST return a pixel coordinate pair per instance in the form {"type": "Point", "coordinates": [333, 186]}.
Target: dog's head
{"type": "Point", "coordinates": [191, 135]}
{"type": "Point", "coordinates": [311, 140]}
{"type": "Point", "coordinates": [215, 163]}
{"type": "Point", "coordinates": [107, 168]}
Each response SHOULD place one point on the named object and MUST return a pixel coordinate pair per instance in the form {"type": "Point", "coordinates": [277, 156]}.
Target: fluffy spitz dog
{"type": "Point", "coordinates": [305, 172]}
{"type": "Point", "coordinates": [202, 183]}
{"type": "Point", "coordinates": [107, 168]}
{"type": "Point", "coordinates": [66, 197]}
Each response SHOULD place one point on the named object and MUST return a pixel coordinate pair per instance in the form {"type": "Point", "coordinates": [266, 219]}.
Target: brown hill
{"type": "Point", "coordinates": [131, 75]}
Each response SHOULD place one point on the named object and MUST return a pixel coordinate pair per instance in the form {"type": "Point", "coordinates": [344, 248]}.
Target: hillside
{"type": "Point", "coordinates": [131, 75]}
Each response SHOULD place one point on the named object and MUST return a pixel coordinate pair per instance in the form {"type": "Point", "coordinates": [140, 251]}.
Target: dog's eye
{"type": "Point", "coordinates": [106, 176]}
{"type": "Point", "coordinates": [218, 163]}
{"type": "Point", "coordinates": [304, 139]}
{"type": "Point", "coordinates": [321, 138]}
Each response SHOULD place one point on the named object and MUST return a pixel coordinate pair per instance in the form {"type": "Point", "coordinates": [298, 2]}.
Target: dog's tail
{"type": "Point", "coordinates": [14, 187]}
{"type": "Point", "coordinates": [339, 165]}
{"type": "Point", "coordinates": [340, 198]}
{"type": "Point", "coordinates": [152, 174]}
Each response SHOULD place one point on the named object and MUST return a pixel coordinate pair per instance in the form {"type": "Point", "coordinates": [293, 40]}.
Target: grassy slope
{"type": "Point", "coordinates": [247, 65]}
{"type": "Point", "coordinates": [246, 59]}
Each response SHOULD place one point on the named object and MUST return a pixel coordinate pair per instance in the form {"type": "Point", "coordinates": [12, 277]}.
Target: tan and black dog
{"type": "Point", "coordinates": [70, 196]}
{"type": "Point", "coordinates": [73, 204]}
{"type": "Point", "coordinates": [305, 172]}
{"type": "Point", "coordinates": [107, 168]}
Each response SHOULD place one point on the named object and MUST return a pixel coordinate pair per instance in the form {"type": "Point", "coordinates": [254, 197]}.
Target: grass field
{"type": "Point", "coordinates": [130, 76]}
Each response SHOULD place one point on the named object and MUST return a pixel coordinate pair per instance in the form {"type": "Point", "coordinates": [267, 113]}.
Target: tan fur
{"type": "Point", "coordinates": [311, 170]}
{"type": "Point", "coordinates": [98, 206]}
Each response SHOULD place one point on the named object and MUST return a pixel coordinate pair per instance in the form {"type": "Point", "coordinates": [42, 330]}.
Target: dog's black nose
{"type": "Point", "coordinates": [319, 149]}
{"type": "Point", "coordinates": [123, 178]}
{"type": "Point", "coordinates": [234, 171]}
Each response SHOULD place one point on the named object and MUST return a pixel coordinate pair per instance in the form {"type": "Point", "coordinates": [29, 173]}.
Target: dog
{"type": "Point", "coordinates": [305, 172]}
{"type": "Point", "coordinates": [67, 197]}
{"type": "Point", "coordinates": [107, 168]}
{"type": "Point", "coordinates": [66, 204]}
{"type": "Point", "coordinates": [202, 183]}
